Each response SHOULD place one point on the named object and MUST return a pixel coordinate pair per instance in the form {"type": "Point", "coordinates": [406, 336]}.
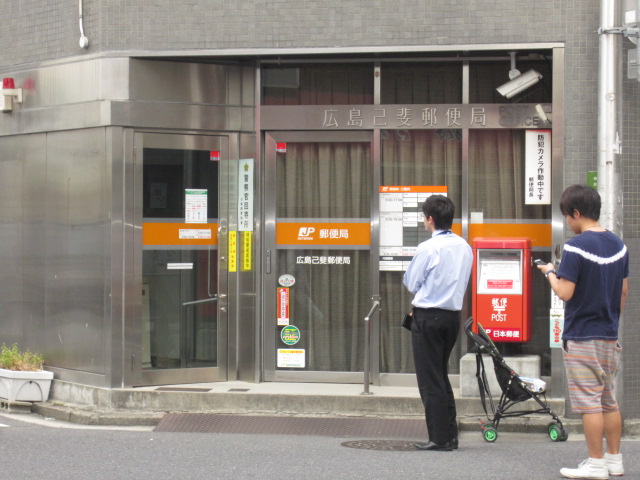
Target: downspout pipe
{"type": "Point", "coordinates": [609, 132]}
{"type": "Point", "coordinates": [610, 116]}
{"type": "Point", "coordinates": [84, 41]}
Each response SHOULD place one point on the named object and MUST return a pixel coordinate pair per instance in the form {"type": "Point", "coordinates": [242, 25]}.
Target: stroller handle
{"type": "Point", "coordinates": [468, 324]}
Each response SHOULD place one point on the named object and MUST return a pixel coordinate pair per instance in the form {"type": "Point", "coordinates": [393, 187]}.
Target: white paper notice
{"type": "Point", "coordinates": [401, 223]}
{"type": "Point", "coordinates": [195, 206]}
{"type": "Point", "coordinates": [391, 229]}
{"type": "Point", "coordinates": [245, 195]}
{"type": "Point", "coordinates": [537, 178]}
{"type": "Point", "coordinates": [194, 233]}
{"type": "Point", "coordinates": [291, 358]}
{"type": "Point", "coordinates": [501, 277]}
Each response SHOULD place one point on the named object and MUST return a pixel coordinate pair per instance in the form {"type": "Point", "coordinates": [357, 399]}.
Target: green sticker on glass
{"type": "Point", "coordinates": [290, 335]}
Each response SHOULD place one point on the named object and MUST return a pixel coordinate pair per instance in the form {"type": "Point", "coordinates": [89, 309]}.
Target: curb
{"type": "Point", "coordinates": [83, 415]}
{"type": "Point", "coordinates": [87, 415]}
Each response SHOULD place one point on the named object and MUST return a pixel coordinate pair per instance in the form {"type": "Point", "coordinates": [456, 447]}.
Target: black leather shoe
{"type": "Point", "coordinates": [454, 443]}
{"type": "Point", "coordinates": [437, 447]}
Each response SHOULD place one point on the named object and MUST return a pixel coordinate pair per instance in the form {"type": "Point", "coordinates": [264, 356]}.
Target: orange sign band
{"type": "Point", "coordinates": [539, 233]}
{"type": "Point", "coordinates": [323, 233]}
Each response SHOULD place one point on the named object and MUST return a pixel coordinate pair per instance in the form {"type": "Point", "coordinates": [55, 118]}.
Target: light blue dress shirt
{"type": "Point", "coordinates": [439, 272]}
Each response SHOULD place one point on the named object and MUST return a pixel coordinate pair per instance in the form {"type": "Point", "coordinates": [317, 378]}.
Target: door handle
{"type": "Point", "coordinates": [212, 299]}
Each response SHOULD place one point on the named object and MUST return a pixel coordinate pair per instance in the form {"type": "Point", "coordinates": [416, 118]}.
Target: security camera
{"type": "Point", "coordinates": [519, 84]}
{"type": "Point", "coordinates": [542, 114]}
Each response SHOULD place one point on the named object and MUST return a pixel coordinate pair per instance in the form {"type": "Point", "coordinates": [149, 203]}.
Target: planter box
{"type": "Point", "coordinates": [25, 386]}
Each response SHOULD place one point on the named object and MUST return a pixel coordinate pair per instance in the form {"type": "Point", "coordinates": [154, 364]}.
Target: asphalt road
{"type": "Point", "coordinates": [46, 449]}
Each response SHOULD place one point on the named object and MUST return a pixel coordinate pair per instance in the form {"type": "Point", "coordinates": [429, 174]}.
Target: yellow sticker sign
{"type": "Point", "coordinates": [233, 251]}
{"type": "Point", "coordinates": [247, 245]}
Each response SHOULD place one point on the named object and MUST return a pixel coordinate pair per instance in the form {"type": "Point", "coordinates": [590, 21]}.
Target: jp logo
{"type": "Point", "coordinates": [305, 233]}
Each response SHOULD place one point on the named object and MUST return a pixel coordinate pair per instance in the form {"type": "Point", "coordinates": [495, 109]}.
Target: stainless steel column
{"type": "Point", "coordinates": [610, 116]}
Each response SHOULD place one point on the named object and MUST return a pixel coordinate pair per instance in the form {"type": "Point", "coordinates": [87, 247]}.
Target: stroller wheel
{"type": "Point", "coordinates": [489, 433]}
{"type": "Point", "coordinates": [557, 433]}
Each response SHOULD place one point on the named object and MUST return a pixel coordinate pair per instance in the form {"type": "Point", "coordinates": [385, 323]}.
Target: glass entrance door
{"type": "Point", "coordinates": [318, 285]}
{"type": "Point", "coordinates": [184, 277]}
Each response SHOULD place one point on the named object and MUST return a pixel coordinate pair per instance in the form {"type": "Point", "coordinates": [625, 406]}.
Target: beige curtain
{"type": "Point", "coordinates": [416, 157]}
{"type": "Point", "coordinates": [496, 176]}
{"type": "Point", "coordinates": [323, 182]}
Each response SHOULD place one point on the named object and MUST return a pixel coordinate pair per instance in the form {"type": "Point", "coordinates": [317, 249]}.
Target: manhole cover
{"type": "Point", "coordinates": [388, 445]}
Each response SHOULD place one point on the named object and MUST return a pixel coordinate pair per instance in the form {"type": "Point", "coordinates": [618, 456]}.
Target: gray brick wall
{"type": "Point", "coordinates": [631, 339]}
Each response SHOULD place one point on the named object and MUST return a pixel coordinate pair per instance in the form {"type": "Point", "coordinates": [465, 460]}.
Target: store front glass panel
{"type": "Point", "coordinates": [323, 194]}
{"type": "Point", "coordinates": [412, 158]}
{"type": "Point", "coordinates": [180, 318]}
{"type": "Point", "coordinates": [497, 190]}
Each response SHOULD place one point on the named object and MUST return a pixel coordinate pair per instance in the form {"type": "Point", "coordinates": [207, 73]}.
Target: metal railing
{"type": "Point", "coordinates": [367, 345]}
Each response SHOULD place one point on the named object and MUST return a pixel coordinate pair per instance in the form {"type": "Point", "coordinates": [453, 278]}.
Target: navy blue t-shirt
{"type": "Point", "coordinates": [597, 262]}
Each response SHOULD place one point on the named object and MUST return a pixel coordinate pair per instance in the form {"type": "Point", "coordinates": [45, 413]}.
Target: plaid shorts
{"type": "Point", "coordinates": [591, 367]}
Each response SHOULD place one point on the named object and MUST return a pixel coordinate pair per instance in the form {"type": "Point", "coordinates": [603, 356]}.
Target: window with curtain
{"type": "Point", "coordinates": [496, 176]}
{"type": "Point", "coordinates": [420, 83]}
{"type": "Point", "coordinates": [497, 189]}
{"type": "Point", "coordinates": [325, 182]}
{"type": "Point", "coordinates": [328, 84]}
{"type": "Point", "coordinates": [412, 157]}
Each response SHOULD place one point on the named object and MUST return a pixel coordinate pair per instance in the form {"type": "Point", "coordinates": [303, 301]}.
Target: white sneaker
{"type": "Point", "coordinates": [614, 464]}
{"type": "Point", "coordinates": [591, 468]}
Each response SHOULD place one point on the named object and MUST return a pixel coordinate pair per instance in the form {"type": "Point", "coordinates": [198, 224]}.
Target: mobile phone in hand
{"type": "Point", "coordinates": [539, 262]}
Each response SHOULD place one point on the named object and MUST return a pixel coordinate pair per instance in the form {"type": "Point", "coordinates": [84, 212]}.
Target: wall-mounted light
{"type": "Point", "coordinates": [10, 94]}
{"type": "Point", "coordinates": [518, 82]}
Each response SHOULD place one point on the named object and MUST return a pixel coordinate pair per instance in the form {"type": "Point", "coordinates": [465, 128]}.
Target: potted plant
{"type": "Point", "coordinates": [22, 378]}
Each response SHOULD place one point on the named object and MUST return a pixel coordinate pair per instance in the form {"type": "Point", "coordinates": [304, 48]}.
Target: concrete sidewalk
{"type": "Point", "coordinates": [148, 405]}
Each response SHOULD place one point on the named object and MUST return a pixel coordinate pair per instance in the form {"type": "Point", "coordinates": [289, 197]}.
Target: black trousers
{"type": "Point", "coordinates": [433, 334]}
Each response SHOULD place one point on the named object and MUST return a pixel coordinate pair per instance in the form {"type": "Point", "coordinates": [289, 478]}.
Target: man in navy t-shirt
{"type": "Point", "coordinates": [592, 280]}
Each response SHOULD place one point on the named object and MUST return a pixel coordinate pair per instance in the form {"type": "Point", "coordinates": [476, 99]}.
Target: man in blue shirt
{"type": "Point", "coordinates": [438, 277]}
{"type": "Point", "coordinates": [592, 280]}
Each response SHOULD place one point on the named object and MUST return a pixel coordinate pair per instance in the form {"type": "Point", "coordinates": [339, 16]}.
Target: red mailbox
{"type": "Point", "coordinates": [502, 288]}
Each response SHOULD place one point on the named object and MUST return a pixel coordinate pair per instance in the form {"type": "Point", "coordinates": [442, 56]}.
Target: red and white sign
{"type": "Point", "coordinates": [556, 326]}
{"type": "Point", "coordinates": [214, 155]}
{"type": "Point", "coordinates": [501, 287]}
{"type": "Point", "coordinates": [504, 334]}
{"type": "Point", "coordinates": [281, 147]}
{"type": "Point", "coordinates": [283, 306]}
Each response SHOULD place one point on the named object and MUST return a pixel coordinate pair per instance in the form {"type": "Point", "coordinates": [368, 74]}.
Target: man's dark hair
{"type": "Point", "coordinates": [441, 209]}
{"type": "Point", "coordinates": [582, 198]}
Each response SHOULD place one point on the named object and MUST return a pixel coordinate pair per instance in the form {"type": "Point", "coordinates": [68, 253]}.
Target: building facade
{"type": "Point", "coordinates": [214, 191]}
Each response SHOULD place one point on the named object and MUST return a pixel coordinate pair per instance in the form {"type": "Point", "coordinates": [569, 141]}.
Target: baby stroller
{"type": "Point", "coordinates": [515, 389]}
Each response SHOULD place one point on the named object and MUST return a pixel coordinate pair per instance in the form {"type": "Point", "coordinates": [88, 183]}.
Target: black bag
{"type": "Point", "coordinates": [407, 321]}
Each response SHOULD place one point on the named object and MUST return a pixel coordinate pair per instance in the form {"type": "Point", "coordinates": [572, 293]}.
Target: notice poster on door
{"type": "Point", "coordinates": [291, 358]}
{"type": "Point", "coordinates": [401, 225]}
{"type": "Point", "coordinates": [537, 167]}
{"type": "Point", "coordinates": [195, 205]}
